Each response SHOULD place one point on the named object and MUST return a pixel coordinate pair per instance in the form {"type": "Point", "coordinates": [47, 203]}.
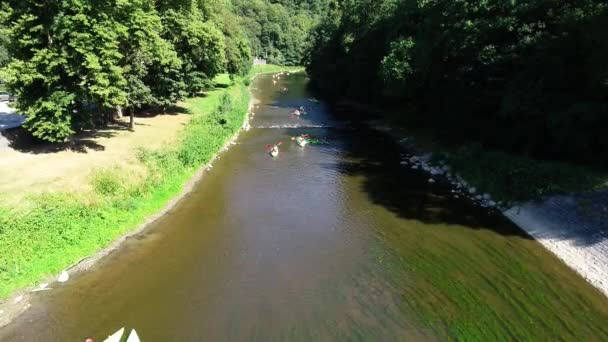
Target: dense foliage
{"type": "Point", "coordinates": [525, 76]}
{"type": "Point", "coordinates": [3, 50]}
{"type": "Point", "coordinates": [279, 29]}
{"type": "Point", "coordinates": [76, 62]}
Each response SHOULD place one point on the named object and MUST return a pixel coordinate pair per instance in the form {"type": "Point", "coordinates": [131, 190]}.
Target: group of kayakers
{"type": "Point", "coordinates": [301, 140]}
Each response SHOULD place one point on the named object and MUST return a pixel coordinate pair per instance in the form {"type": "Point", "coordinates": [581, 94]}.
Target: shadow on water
{"type": "Point", "coordinates": [407, 193]}
{"type": "Point", "coordinates": [580, 218]}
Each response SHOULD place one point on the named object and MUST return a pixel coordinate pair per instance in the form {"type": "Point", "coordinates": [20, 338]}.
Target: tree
{"type": "Point", "coordinates": [199, 43]}
{"type": "Point", "coordinates": [279, 30]}
{"type": "Point", "coordinates": [65, 64]}
{"type": "Point", "coordinates": [521, 75]}
{"type": "Point", "coordinates": [4, 57]}
{"type": "Point", "coordinates": [150, 64]}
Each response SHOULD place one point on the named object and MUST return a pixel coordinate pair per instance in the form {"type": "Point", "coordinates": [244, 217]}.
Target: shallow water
{"type": "Point", "coordinates": [327, 242]}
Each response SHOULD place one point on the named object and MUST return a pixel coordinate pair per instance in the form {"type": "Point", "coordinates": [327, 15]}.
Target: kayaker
{"type": "Point", "coordinates": [296, 113]}
{"type": "Point", "coordinates": [274, 149]}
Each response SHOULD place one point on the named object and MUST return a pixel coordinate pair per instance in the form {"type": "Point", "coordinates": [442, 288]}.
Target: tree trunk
{"type": "Point", "coordinates": [131, 119]}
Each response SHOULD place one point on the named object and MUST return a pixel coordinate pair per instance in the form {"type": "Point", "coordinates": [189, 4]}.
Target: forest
{"type": "Point", "coordinates": [528, 77]}
{"type": "Point", "coordinates": [75, 64]}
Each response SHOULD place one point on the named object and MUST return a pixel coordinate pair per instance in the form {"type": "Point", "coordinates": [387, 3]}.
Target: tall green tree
{"type": "Point", "coordinates": [65, 62]}
{"type": "Point", "coordinates": [198, 42]}
{"type": "Point", "coordinates": [4, 57]}
{"type": "Point", "coordinates": [150, 64]}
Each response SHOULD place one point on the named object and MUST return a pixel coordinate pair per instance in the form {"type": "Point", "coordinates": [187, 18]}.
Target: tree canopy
{"type": "Point", "coordinates": [279, 30]}
{"type": "Point", "coordinates": [74, 62]}
{"type": "Point", "coordinates": [526, 76]}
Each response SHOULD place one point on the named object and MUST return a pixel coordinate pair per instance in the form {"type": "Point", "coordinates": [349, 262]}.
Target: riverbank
{"type": "Point", "coordinates": [52, 230]}
{"type": "Point", "coordinates": [572, 225]}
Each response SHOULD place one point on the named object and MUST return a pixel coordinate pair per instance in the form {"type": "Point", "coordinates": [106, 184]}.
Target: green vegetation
{"type": "Point", "coordinates": [55, 230]}
{"type": "Point", "coordinates": [278, 30]}
{"type": "Point", "coordinates": [512, 94]}
{"type": "Point", "coordinates": [270, 68]}
{"type": "Point", "coordinates": [479, 285]}
{"type": "Point", "coordinates": [3, 50]}
{"type": "Point", "coordinates": [508, 177]}
{"type": "Point", "coordinates": [523, 76]}
{"type": "Point", "coordinates": [76, 64]}
{"type": "Point", "coordinates": [514, 178]}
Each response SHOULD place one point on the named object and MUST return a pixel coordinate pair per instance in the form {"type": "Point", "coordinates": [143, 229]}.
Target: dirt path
{"type": "Point", "coordinates": [44, 169]}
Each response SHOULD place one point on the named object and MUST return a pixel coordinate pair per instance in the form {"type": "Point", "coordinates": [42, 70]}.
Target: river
{"type": "Point", "coordinates": [336, 241]}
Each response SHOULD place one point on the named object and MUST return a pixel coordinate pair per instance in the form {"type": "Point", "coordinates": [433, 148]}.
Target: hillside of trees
{"type": "Point", "coordinates": [525, 76]}
{"type": "Point", "coordinates": [279, 29]}
{"type": "Point", "coordinates": [76, 63]}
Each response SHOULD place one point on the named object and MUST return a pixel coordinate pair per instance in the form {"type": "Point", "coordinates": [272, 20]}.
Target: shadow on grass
{"type": "Point", "coordinates": [22, 141]}
{"type": "Point", "coordinates": [156, 111]}
{"type": "Point", "coordinates": [220, 86]}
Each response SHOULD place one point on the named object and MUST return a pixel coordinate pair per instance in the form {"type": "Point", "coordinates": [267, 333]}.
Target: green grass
{"type": "Point", "coordinates": [515, 178]}
{"type": "Point", "coordinates": [508, 177]}
{"type": "Point", "coordinates": [268, 68]}
{"type": "Point", "coordinates": [56, 230]}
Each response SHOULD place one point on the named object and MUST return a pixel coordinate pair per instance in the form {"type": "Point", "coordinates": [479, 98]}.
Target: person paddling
{"type": "Point", "coordinates": [273, 150]}
{"type": "Point", "coordinates": [302, 140]}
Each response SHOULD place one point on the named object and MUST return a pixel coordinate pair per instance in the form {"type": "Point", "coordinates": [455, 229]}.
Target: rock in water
{"type": "Point", "coordinates": [63, 277]}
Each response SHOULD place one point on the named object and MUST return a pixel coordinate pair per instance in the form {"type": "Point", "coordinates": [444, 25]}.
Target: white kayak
{"type": "Point", "coordinates": [301, 142]}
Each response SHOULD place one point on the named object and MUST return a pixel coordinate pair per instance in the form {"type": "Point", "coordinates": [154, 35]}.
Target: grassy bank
{"type": "Point", "coordinates": [270, 68]}
{"type": "Point", "coordinates": [54, 230]}
{"type": "Point", "coordinates": [507, 177]}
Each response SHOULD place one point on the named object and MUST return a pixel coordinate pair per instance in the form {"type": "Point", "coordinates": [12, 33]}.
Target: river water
{"type": "Point", "coordinates": [336, 241]}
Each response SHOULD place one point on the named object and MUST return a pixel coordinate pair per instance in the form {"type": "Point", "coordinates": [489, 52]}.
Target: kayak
{"type": "Point", "coordinates": [273, 150]}
{"type": "Point", "coordinates": [301, 141]}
